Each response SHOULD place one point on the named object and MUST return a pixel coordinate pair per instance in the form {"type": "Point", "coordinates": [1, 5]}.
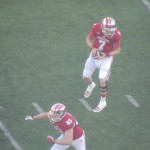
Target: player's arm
{"type": "Point", "coordinates": [39, 116]}
{"type": "Point", "coordinates": [116, 50]}
{"type": "Point", "coordinates": [89, 40]}
{"type": "Point", "coordinates": [68, 138]}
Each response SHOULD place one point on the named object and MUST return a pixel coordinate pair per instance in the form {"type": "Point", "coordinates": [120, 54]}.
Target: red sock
{"type": "Point", "coordinates": [103, 95]}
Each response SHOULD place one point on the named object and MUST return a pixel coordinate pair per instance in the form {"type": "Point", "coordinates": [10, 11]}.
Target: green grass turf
{"type": "Point", "coordinates": [42, 55]}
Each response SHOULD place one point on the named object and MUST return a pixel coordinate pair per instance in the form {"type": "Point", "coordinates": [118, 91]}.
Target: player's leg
{"type": "Point", "coordinates": [58, 146]}
{"type": "Point", "coordinates": [79, 144]}
{"type": "Point", "coordinates": [87, 76]}
{"type": "Point", "coordinates": [104, 74]}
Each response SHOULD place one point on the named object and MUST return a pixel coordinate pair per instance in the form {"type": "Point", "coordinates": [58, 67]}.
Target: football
{"type": "Point", "coordinates": [98, 53]}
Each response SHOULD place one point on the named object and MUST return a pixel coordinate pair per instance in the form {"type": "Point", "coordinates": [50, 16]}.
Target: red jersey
{"type": "Point", "coordinates": [102, 42]}
{"type": "Point", "coordinates": [68, 122]}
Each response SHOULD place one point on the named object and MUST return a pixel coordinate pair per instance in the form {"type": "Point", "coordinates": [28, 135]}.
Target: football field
{"type": "Point", "coordinates": [42, 56]}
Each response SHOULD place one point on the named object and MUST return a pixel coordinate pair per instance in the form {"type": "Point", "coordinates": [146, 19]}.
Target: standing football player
{"type": "Point", "coordinates": [71, 132]}
{"type": "Point", "coordinates": [104, 42]}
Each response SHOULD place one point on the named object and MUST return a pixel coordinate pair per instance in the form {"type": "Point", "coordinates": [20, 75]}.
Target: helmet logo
{"type": "Point", "coordinates": [108, 26]}
{"type": "Point", "coordinates": [57, 112]}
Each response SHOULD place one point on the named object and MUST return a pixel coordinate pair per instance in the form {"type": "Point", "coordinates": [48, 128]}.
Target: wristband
{"type": "Point", "coordinates": [107, 54]}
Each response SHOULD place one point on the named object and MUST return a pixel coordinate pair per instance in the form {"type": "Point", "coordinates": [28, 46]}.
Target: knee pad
{"type": "Point", "coordinates": [103, 89]}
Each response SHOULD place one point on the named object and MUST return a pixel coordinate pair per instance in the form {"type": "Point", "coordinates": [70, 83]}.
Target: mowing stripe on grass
{"type": "Point", "coordinates": [146, 3]}
{"type": "Point", "coordinates": [37, 107]}
{"type": "Point", "coordinates": [10, 137]}
{"type": "Point", "coordinates": [132, 100]}
{"type": "Point", "coordinates": [85, 104]}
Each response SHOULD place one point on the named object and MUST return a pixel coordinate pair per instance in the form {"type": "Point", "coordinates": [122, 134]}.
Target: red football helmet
{"type": "Point", "coordinates": [57, 112]}
{"type": "Point", "coordinates": [108, 26]}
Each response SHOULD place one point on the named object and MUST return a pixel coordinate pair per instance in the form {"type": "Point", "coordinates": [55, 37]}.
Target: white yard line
{"type": "Point", "coordinates": [132, 100]}
{"type": "Point", "coordinates": [37, 107]}
{"type": "Point", "coordinates": [10, 137]}
{"type": "Point", "coordinates": [85, 104]}
{"type": "Point", "coordinates": [146, 3]}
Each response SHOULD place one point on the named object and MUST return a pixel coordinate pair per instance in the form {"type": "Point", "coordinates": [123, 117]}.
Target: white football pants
{"type": "Point", "coordinates": [103, 65]}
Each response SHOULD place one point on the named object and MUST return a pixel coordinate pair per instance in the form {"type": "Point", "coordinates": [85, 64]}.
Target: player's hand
{"type": "Point", "coordinates": [30, 117]}
{"type": "Point", "coordinates": [93, 52]}
{"type": "Point", "coordinates": [50, 139]}
{"type": "Point", "coordinates": [97, 54]}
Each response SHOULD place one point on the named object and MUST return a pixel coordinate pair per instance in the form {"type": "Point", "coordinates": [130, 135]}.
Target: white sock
{"type": "Point", "coordinates": [90, 84]}
{"type": "Point", "coordinates": [103, 99]}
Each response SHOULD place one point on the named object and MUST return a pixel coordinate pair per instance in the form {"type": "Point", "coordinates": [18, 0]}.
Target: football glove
{"type": "Point", "coordinates": [30, 117]}
{"type": "Point", "coordinates": [50, 139]}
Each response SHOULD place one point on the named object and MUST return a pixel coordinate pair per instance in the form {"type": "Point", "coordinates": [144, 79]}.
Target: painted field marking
{"type": "Point", "coordinates": [85, 104]}
{"type": "Point", "coordinates": [10, 137]}
{"type": "Point", "coordinates": [132, 100]}
{"type": "Point", "coordinates": [146, 3]}
{"type": "Point", "coordinates": [37, 107]}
